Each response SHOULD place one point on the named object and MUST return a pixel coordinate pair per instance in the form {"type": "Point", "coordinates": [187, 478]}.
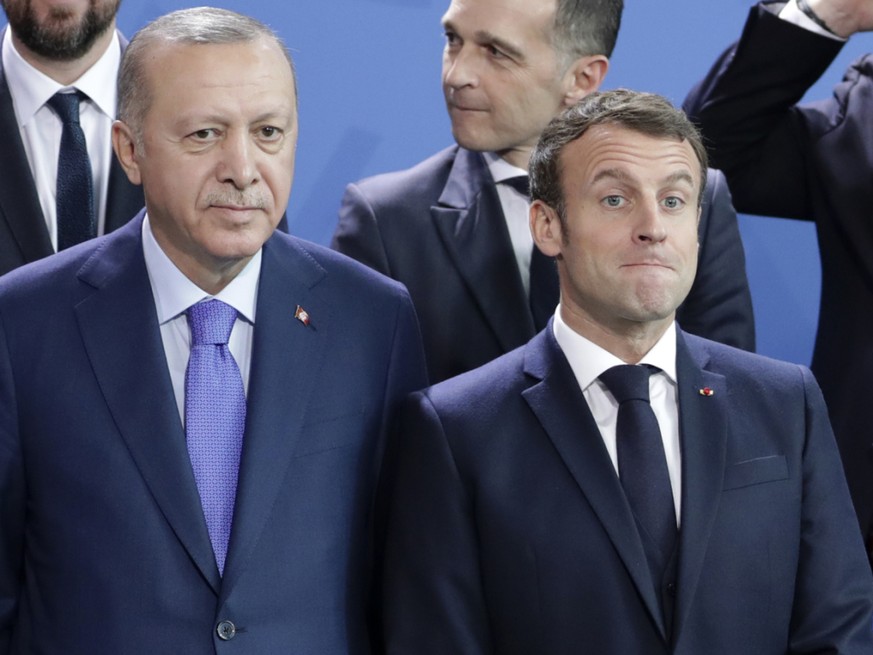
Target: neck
{"type": "Point", "coordinates": [518, 157]}
{"type": "Point", "coordinates": [66, 72]}
{"type": "Point", "coordinates": [627, 340]}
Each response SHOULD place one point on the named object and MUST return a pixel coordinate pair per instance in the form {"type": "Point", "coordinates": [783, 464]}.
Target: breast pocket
{"type": "Point", "coordinates": [755, 471]}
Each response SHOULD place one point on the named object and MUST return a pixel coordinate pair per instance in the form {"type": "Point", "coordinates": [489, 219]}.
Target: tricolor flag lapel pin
{"type": "Point", "coordinates": [302, 315]}
{"type": "Point", "coordinates": [706, 391]}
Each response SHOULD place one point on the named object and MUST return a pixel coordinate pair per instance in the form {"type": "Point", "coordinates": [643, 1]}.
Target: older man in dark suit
{"type": "Point", "coordinates": [192, 408]}
{"type": "Point", "coordinates": [454, 229]}
{"type": "Point", "coordinates": [618, 486]}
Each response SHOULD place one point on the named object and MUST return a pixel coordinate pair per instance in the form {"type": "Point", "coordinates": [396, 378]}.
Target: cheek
{"type": "Point", "coordinates": [279, 175]}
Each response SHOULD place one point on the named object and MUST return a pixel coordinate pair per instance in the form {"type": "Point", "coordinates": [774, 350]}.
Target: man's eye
{"type": "Point", "coordinates": [613, 201]}
{"type": "Point", "coordinates": [673, 202]}
{"type": "Point", "coordinates": [494, 52]}
{"type": "Point", "coordinates": [270, 132]}
{"type": "Point", "coordinates": [451, 38]}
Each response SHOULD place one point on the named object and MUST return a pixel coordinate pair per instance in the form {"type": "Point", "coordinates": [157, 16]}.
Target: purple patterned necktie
{"type": "Point", "coordinates": [215, 417]}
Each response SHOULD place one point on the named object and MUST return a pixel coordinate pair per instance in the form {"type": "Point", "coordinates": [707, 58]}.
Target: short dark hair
{"type": "Point", "coordinates": [586, 27]}
{"type": "Point", "coordinates": [647, 113]}
{"type": "Point", "coordinates": [197, 26]}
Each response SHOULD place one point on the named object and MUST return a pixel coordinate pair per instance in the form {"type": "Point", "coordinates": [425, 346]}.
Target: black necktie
{"type": "Point", "coordinates": [75, 192]}
{"type": "Point", "coordinates": [544, 291]}
{"type": "Point", "coordinates": [642, 465]}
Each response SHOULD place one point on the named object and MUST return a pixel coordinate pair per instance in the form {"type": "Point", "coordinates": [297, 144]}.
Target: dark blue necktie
{"type": "Point", "coordinates": [215, 417]}
{"type": "Point", "coordinates": [642, 465]}
{"type": "Point", "coordinates": [75, 189]}
{"type": "Point", "coordinates": [544, 289]}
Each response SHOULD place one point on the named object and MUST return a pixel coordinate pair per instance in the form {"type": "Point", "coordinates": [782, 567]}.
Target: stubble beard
{"type": "Point", "coordinates": [59, 37]}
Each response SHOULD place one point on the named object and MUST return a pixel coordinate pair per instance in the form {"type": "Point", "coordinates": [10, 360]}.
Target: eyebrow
{"type": "Point", "coordinates": [488, 38]}
{"type": "Point", "coordinates": [485, 37]}
{"type": "Point", "coordinates": [621, 176]}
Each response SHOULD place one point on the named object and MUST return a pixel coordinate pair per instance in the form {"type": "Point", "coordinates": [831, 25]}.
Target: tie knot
{"type": "Point", "coordinates": [520, 183]}
{"type": "Point", "coordinates": [66, 105]}
{"type": "Point", "coordinates": [211, 322]}
{"type": "Point", "coordinates": [628, 382]}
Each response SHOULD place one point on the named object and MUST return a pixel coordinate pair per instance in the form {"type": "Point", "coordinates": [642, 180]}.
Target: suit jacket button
{"type": "Point", "coordinates": [226, 630]}
{"type": "Point", "coordinates": [671, 589]}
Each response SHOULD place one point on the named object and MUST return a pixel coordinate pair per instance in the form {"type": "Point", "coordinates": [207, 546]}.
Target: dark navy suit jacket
{"type": "Point", "coordinates": [509, 532]}
{"type": "Point", "coordinates": [23, 234]}
{"type": "Point", "coordinates": [103, 544]}
{"type": "Point", "coordinates": [811, 162]}
{"type": "Point", "coordinates": [439, 228]}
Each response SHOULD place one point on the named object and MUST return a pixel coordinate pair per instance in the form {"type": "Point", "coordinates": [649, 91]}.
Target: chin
{"type": "Point", "coordinates": [239, 246]}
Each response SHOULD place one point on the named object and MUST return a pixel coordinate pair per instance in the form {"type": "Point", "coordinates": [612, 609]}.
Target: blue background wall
{"type": "Point", "coordinates": [370, 101]}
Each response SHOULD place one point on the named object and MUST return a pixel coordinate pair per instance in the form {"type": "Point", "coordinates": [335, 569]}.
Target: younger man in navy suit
{"type": "Point", "coordinates": [543, 505]}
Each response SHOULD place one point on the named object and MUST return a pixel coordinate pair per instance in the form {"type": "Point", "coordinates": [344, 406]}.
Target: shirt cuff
{"type": "Point", "coordinates": [791, 13]}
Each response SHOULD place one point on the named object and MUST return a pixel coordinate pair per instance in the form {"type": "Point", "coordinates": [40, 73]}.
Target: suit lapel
{"type": "Point", "coordinates": [563, 412]}
{"type": "Point", "coordinates": [19, 203]}
{"type": "Point", "coordinates": [119, 328]}
{"type": "Point", "coordinates": [703, 420]}
{"type": "Point", "coordinates": [470, 221]}
{"type": "Point", "coordinates": [286, 356]}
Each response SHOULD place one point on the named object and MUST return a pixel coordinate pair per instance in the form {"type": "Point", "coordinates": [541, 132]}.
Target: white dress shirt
{"type": "Point", "coordinates": [589, 360]}
{"type": "Point", "coordinates": [41, 128]}
{"type": "Point", "coordinates": [792, 14]}
{"type": "Point", "coordinates": [516, 211]}
{"type": "Point", "coordinates": [174, 294]}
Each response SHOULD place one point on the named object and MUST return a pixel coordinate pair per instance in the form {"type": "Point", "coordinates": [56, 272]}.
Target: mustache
{"type": "Point", "coordinates": [242, 199]}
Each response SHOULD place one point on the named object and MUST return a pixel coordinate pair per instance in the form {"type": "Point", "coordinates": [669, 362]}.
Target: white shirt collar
{"type": "Point", "coordinates": [174, 293]}
{"type": "Point", "coordinates": [501, 169]}
{"type": "Point", "coordinates": [30, 88]}
{"type": "Point", "coordinates": [588, 360]}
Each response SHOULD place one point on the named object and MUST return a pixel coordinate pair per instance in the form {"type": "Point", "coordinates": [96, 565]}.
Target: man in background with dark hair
{"type": "Point", "coordinates": [618, 486]}
{"type": "Point", "coordinates": [59, 56]}
{"type": "Point", "coordinates": [454, 228]}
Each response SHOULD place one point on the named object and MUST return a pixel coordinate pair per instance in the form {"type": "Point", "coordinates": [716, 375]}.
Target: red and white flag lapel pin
{"type": "Point", "coordinates": [706, 391]}
{"type": "Point", "coordinates": [302, 315]}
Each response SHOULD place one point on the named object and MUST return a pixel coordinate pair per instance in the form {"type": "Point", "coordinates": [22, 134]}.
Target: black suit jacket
{"type": "Point", "coordinates": [812, 162]}
{"type": "Point", "coordinates": [439, 228]}
{"type": "Point", "coordinates": [23, 234]}
{"type": "Point", "coordinates": [509, 532]}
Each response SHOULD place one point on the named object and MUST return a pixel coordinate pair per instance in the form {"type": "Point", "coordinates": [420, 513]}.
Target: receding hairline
{"type": "Point", "coordinates": [200, 26]}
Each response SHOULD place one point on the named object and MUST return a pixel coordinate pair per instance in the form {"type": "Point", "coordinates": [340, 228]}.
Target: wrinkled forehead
{"type": "Point", "coordinates": [611, 151]}
{"type": "Point", "coordinates": [180, 70]}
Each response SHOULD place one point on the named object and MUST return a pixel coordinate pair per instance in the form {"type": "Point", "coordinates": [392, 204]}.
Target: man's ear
{"type": "Point", "coordinates": [584, 76]}
{"type": "Point", "coordinates": [127, 151]}
{"type": "Point", "coordinates": [546, 229]}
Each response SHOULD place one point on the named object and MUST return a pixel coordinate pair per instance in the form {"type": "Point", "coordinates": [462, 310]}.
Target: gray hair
{"type": "Point", "coordinates": [647, 113]}
{"type": "Point", "coordinates": [586, 27]}
{"type": "Point", "coordinates": [197, 26]}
